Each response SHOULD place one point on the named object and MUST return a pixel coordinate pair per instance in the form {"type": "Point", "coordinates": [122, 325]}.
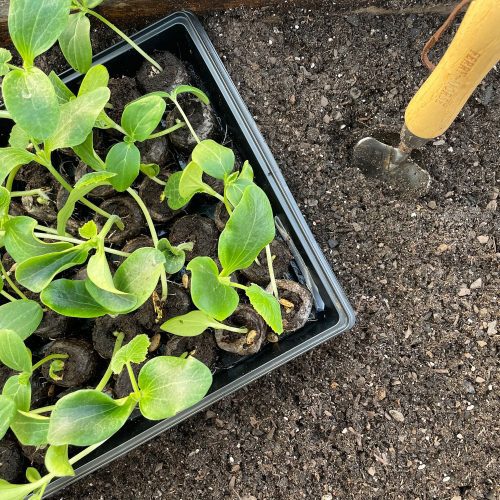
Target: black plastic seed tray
{"type": "Point", "coordinates": [182, 34]}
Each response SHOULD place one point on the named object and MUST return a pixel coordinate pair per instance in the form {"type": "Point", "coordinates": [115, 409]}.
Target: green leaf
{"type": "Point", "coordinates": [56, 367]}
{"type": "Point", "coordinates": [171, 192]}
{"type": "Point", "coordinates": [124, 159]}
{"type": "Point", "coordinates": [71, 298]}
{"type": "Point", "coordinates": [63, 93]}
{"type": "Point", "coordinates": [182, 89]}
{"type": "Point", "coordinates": [139, 273]}
{"type": "Point", "coordinates": [236, 188]}
{"type": "Point", "coordinates": [150, 169]}
{"type": "Point", "coordinates": [141, 117]}
{"type": "Point", "coordinates": [57, 462]}
{"type": "Point", "coordinates": [83, 187]}
{"type": "Point", "coordinates": [208, 293]}
{"type": "Point", "coordinates": [13, 352]}
{"type": "Point", "coordinates": [87, 417]}
{"type": "Point", "coordinates": [22, 245]}
{"type": "Point", "coordinates": [35, 26]}
{"type": "Point", "coordinates": [213, 158]}
{"type": "Point", "coordinates": [85, 151]}
{"type": "Point", "coordinates": [18, 389]}
{"type": "Point", "coordinates": [19, 138]}
{"type": "Point", "coordinates": [175, 257]}
{"type": "Point", "coordinates": [5, 57]}
{"type": "Point", "coordinates": [191, 181]}
{"type": "Point", "coordinates": [133, 352]}
{"type": "Point", "coordinates": [30, 429]}
{"type": "Point", "coordinates": [113, 303]}
{"type": "Point", "coordinates": [32, 102]}
{"type": "Point", "coordinates": [169, 385]}
{"type": "Point", "coordinates": [88, 230]}
{"type": "Point", "coordinates": [77, 118]}
{"type": "Point", "coordinates": [21, 316]}
{"type": "Point", "coordinates": [10, 158]}
{"type": "Point", "coordinates": [7, 414]}
{"type": "Point", "coordinates": [37, 272]}
{"type": "Point", "coordinates": [9, 491]}
{"type": "Point", "coordinates": [267, 306]}
{"type": "Point", "coordinates": [191, 324]}
{"type": "Point", "coordinates": [96, 77]}
{"type": "Point", "coordinates": [75, 42]}
{"type": "Point", "coordinates": [32, 475]}
{"type": "Point", "coordinates": [249, 229]}
{"type": "Point", "coordinates": [104, 290]}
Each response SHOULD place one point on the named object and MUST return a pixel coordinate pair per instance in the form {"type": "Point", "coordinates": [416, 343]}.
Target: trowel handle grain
{"type": "Point", "coordinates": [475, 49]}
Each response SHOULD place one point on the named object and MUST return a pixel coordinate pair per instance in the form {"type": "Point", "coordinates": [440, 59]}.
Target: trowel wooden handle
{"type": "Point", "coordinates": [472, 53]}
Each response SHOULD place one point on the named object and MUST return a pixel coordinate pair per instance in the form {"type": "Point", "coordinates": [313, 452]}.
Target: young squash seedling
{"type": "Point", "coordinates": [49, 118]}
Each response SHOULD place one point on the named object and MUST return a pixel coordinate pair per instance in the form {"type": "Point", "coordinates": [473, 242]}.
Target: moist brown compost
{"type": "Point", "coordinates": [406, 405]}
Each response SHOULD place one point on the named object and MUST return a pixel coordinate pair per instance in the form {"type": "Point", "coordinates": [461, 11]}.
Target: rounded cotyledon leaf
{"type": "Point", "coordinates": [32, 102]}
{"type": "Point", "coordinates": [13, 352]}
{"type": "Point", "coordinates": [75, 42]}
{"type": "Point", "coordinates": [169, 385]}
{"type": "Point", "coordinates": [21, 316]}
{"type": "Point", "coordinates": [87, 417]}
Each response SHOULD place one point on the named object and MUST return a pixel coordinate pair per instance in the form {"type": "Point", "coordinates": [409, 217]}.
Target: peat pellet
{"type": "Point", "coordinates": [199, 230]}
{"type": "Point", "coordinates": [131, 216]}
{"type": "Point", "coordinates": [123, 91]}
{"type": "Point", "coordinates": [151, 193]}
{"type": "Point", "coordinates": [202, 347]}
{"type": "Point", "coordinates": [79, 367]}
{"type": "Point", "coordinates": [200, 117]}
{"type": "Point", "coordinates": [173, 73]}
{"type": "Point", "coordinates": [53, 326]}
{"type": "Point", "coordinates": [243, 343]}
{"type": "Point", "coordinates": [11, 460]}
{"type": "Point", "coordinates": [259, 273]}
{"type": "Point", "coordinates": [296, 304]}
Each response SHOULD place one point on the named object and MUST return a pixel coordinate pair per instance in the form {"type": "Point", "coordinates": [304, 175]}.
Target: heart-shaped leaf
{"type": "Point", "coordinates": [87, 417]}
{"type": "Point", "coordinates": [169, 385]}
{"type": "Point", "coordinates": [35, 26]}
{"type": "Point", "coordinates": [267, 306]}
{"type": "Point", "coordinates": [123, 159]}
{"type": "Point", "coordinates": [71, 298]}
{"type": "Point", "coordinates": [213, 158]}
{"type": "Point", "coordinates": [249, 229]}
{"type": "Point", "coordinates": [141, 117]}
{"type": "Point", "coordinates": [13, 352]}
{"type": "Point", "coordinates": [236, 188]}
{"type": "Point", "coordinates": [174, 199]}
{"type": "Point", "coordinates": [37, 272]}
{"type": "Point", "coordinates": [133, 352]}
{"type": "Point", "coordinates": [75, 42]}
{"type": "Point", "coordinates": [22, 244]}
{"type": "Point", "coordinates": [191, 181]}
{"type": "Point", "coordinates": [32, 102]}
{"type": "Point", "coordinates": [208, 293]}
{"type": "Point", "coordinates": [175, 257]}
{"type": "Point", "coordinates": [21, 316]}
{"type": "Point", "coordinates": [19, 138]}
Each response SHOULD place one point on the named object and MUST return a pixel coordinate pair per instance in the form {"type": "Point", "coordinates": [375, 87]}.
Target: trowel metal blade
{"type": "Point", "coordinates": [375, 159]}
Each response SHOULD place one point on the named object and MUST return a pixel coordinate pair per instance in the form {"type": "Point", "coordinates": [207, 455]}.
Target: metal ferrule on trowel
{"type": "Point", "coordinates": [475, 49]}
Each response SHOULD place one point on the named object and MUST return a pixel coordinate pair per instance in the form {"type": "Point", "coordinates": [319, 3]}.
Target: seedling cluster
{"type": "Point", "coordinates": [63, 268]}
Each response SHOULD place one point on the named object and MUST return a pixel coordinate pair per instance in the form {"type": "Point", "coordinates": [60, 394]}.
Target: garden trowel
{"type": "Point", "coordinates": [474, 50]}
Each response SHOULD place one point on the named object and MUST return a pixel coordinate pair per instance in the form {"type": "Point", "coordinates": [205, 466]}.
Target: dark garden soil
{"type": "Point", "coordinates": [407, 404]}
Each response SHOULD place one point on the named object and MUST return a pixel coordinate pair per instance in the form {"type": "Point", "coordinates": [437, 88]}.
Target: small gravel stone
{"type": "Point", "coordinates": [355, 93]}
{"type": "Point", "coordinates": [397, 415]}
{"type": "Point", "coordinates": [463, 292]}
{"type": "Point", "coordinates": [432, 205]}
{"type": "Point", "coordinates": [324, 101]}
{"type": "Point", "coordinates": [476, 284]}
{"type": "Point", "coordinates": [483, 239]}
